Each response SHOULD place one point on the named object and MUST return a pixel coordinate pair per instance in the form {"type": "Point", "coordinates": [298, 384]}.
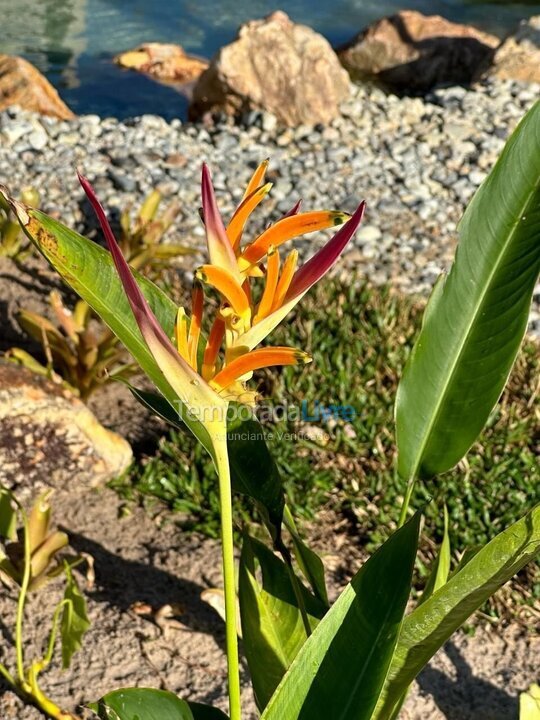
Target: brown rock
{"type": "Point", "coordinates": [414, 52]}
{"type": "Point", "coordinates": [162, 61]}
{"type": "Point", "coordinates": [50, 438]}
{"type": "Point", "coordinates": [278, 66]}
{"type": "Point", "coordinates": [518, 57]}
{"type": "Point", "coordinates": [22, 84]}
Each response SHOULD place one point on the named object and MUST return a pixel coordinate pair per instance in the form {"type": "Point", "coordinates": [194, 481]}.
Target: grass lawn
{"type": "Point", "coordinates": [359, 339]}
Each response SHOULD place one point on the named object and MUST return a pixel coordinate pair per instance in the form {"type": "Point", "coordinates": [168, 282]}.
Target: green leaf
{"type": "Point", "coordinates": [142, 704]}
{"type": "Point", "coordinates": [272, 627]}
{"type": "Point", "coordinates": [75, 620]}
{"type": "Point", "coordinates": [441, 567]}
{"type": "Point", "coordinates": [340, 670]}
{"type": "Point", "coordinates": [437, 578]}
{"type": "Point", "coordinates": [206, 712]}
{"type": "Point", "coordinates": [430, 625]}
{"type": "Point", "coordinates": [89, 270]}
{"type": "Point", "coordinates": [253, 470]}
{"type": "Point", "coordinates": [8, 516]}
{"type": "Point", "coordinates": [476, 318]}
{"type": "Point", "coordinates": [308, 561]}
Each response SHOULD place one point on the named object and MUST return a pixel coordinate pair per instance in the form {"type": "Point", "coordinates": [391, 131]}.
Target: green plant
{"type": "Point", "coordinates": [13, 242]}
{"type": "Point", "coordinates": [358, 657]}
{"type": "Point", "coordinates": [141, 239]}
{"type": "Point", "coordinates": [352, 330]}
{"type": "Point", "coordinates": [29, 558]}
{"type": "Point", "coordinates": [80, 350]}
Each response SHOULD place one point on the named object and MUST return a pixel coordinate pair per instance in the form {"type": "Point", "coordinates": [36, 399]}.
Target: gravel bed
{"type": "Point", "coordinates": [416, 161]}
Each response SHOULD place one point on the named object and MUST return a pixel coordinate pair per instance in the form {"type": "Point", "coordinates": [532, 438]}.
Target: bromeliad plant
{"type": "Point", "coordinates": [141, 239]}
{"type": "Point", "coordinates": [356, 659]}
{"type": "Point", "coordinates": [79, 350]}
{"type": "Point", "coordinates": [30, 557]}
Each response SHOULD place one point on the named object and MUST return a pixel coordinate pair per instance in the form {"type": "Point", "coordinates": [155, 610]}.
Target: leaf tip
{"type": "Point", "coordinates": [19, 210]}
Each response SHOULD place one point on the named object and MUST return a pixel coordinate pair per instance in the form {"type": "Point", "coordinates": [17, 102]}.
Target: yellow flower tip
{"type": "Point", "coordinates": [257, 179]}
{"type": "Point", "coordinates": [242, 213]}
{"type": "Point", "coordinates": [340, 217]}
{"type": "Point", "coordinates": [303, 358]}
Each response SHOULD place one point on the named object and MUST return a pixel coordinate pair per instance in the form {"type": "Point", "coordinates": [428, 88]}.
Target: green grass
{"type": "Point", "coordinates": [359, 339]}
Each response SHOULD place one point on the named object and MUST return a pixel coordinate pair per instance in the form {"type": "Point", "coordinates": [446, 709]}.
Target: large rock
{"type": "Point", "coordinates": [165, 62]}
{"type": "Point", "coordinates": [22, 84]}
{"type": "Point", "coordinates": [278, 66]}
{"type": "Point", "coordinates": [50, 438]}
{"type": "Point", "coordinates": [518, 57]}
{"type": "Point", "coordinates": [414, 52]}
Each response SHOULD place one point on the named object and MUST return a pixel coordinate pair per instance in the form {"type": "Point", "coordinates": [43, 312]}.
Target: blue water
{"type": "Point", "coordinates": [73, 41]}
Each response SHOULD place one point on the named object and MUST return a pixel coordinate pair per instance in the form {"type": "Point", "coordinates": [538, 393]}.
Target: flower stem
{"type": "Point", "coordinates": [22, 595]}
{"type": "Point", "coordinates": [406, 500]}
{"type": "Point", "coordinates": [229, 584]}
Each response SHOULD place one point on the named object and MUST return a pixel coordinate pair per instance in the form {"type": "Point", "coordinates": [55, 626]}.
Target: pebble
{"type": "Point", "coordinates": [416, 161]}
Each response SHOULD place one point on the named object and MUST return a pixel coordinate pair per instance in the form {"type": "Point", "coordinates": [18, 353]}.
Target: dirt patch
{"type": "Point", "coordinates": [143, 563]}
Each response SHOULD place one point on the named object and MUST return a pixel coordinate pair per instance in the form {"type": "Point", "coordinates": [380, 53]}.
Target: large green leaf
{"type": "Point", "coordinates": [476, 317]}
{"type": "Point", "coordinates": [430, 625]}
{"type": "Point", "coordinates": [272, 627]}
{"type": "Point", "coordinates": [254, 471]}
{"type": "Point", "coordinates": [141, 704]}
{"type": "Point", "coordinates": [340, 670]}
{"type": "Point", "coordinates": [89, 270]}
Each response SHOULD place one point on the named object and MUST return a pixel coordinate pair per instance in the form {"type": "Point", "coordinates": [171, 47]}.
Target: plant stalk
{"type": "Point", "coordinates": [229, 583]}
{"type": "Point", "coordinates": [22, 596]}
{"type": "Point", "coordinates": [406, 500]}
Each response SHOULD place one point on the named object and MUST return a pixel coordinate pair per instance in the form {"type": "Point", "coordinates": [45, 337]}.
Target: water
{"type": "Point", "coordinates": [72, 41]}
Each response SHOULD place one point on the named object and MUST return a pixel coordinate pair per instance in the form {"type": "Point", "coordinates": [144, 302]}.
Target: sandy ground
{"type": "Point", "coordinates": [144, 563]}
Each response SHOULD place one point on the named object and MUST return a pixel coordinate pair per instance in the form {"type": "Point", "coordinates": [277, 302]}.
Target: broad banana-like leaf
{"type": "Point", "coordinates": [254, 471]}
{"type": "Point", "coordinates": [476, 317]}
{"type": "Point", "coordinates": [341, 668]}
{"type": "Point", "coordinates": [273, 630]}
{"type": "Point", "coordinates": [437, 578]}
{"type": "Point", "coordinates": [430, 625]}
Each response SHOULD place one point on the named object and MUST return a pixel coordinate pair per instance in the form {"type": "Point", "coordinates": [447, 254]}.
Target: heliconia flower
{"type": "Point", "coordinates": [181, 376]}
{"type": "Point", "coordinates": [228, 357]}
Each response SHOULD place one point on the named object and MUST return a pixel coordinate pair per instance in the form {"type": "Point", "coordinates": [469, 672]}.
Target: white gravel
{"type": "Point", "coordinates": [416, 161]}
